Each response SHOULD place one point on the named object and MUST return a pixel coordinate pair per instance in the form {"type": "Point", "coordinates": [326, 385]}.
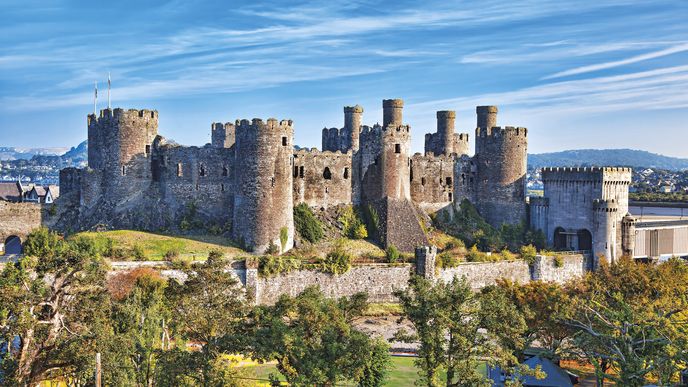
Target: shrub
{"type": "Point", "coordinates": [270, 265]}
{"type": "Point", "coordinates": [372, 221]}
{"type": "Point", "coordinates": [138, 253]}
{"type": "Point", "coordinates": [447, 260]}
{"type": "Point", "coordinates": [307, 225]}
{"type": "Point", "coordinates": [353, 226]}
{"type": "Point", "coordinates": [171, 254]}
{"type": "Point", "coordinates": [42, 243]}
{"type": "Point", "coordinates": [272, 249]}
{"type": "Point", "coordinates": [337, 261]}
{"type": "Point", "coordinates": [392, 254]}
{"type": "Point", "coordinates": [507, 255]}
{"type": "Point", "coordinates": [558, 261]}
{"type": "Point", "coordinates": [528, 253]}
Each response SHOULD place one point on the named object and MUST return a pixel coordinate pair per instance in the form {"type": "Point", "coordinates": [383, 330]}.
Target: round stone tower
{"type": "Point", "coordinates": [501, 163]}
{"type": "Point", "coordinates": [628, 235]}
{"type": "Point", "coordinates": [263, 203]}
{"type": "Point", "coordinates": [352, 125]}
{"type": "Point", "coordinates": [487, 116]}
{"type": "Point", "coordinates": [605, 213]}
{"type": "Point", "coordinates": [445, 130]}
{"type": "Point", "coordinates": [392, 112]}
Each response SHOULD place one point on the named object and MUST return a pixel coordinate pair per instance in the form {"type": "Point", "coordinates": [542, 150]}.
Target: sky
{"type": "Point", "coordinates": [577, 74]}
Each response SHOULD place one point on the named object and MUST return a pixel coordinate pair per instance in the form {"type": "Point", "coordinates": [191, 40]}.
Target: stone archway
{"type": "Point", "coordinates": [560, 239]}
{"type": "Point", "coordinates": [584, 239]}
{"type": "Point", "coordinates": [13, 245]}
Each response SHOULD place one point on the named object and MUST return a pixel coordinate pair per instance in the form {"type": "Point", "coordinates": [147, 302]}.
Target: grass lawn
{"type": "Point", "coordinates": [402, 373]}
{"type": "Point", "coordinates": [155, 246]}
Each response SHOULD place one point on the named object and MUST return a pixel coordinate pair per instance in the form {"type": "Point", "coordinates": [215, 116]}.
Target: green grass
{"type": "Point", "coordinates": [402, 372]}
{"type": "Point", "coordinates": [155, 246]}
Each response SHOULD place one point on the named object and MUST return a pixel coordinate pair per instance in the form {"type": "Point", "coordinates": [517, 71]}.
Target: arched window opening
{"type": "Point", "coordinates": [201, 170]}
{"type": "Point", "coordinates": [284, 141]}
{"type": "Point", "coordinates": [448, 181]}
{"type": "Point", "coordinates": [327, 174]}
{"type": "Point", "coordinates": [13, 245]}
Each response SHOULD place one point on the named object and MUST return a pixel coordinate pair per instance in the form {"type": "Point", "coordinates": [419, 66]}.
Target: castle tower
{"type": "Point", "coordinates": [222, 135]}
{"type": "Point", "coordinates": [605, 213]}
{"type": "Point", "coordinates": [500, 158]}
{"type": "Point", "coordinates": [120, 142]}
{"type": "Point", "coordinates": [352, 126]}
{"type": "Point", "coordinates": [445, 130]}
{"type": "Point", "coordinates": [628, 235]}
{"type": "Point", "coordinates": [487, 116]}
{"type": "Point", "coordinates": [263, 203]}
{"type": "Point", "coordinates": [396, 145]}
{"type": "Point", "coordinates": [392, 112]}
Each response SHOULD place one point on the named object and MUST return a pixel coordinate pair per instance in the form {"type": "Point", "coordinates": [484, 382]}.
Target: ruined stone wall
{"type": "Point", "coordinates": [501, 158]}
{"type": "Point", "coordinates": [20, 219]}
{"type": "Point", "coordinates": [222, 135]}
{"type": "Point", "coordinates": [368, 162]}
{"type": "Point", "coordinates": [264, 185]}
{"type": "Point", "coordinates": [465, 176]}
{"type": "Point", "coordinates": [432, 178]}
{"type": "Point", "coordinates": [201, 177]}
{"type": "Point", "coordinates": [322, 179]}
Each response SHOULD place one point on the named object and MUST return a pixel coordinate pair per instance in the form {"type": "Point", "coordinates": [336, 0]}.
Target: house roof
{"type": "Point", "coordinates": [556, 376]}
{"type": "Point", "coordinates": [40, 190]}
{"type": "Point", "coordinates": [10, 191]}
{"type": "Point", "coordinates": [54, 190]}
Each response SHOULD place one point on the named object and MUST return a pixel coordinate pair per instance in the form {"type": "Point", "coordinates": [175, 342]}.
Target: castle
{"type": "Point", "coordinates": [250, 177]}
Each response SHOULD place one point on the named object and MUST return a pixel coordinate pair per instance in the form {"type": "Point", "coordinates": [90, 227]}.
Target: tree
{"type": "Point", "coordinates": [544, 305]}
{"type": "Point", "coordinates": [314, 343]}
{"type": "Point", "coordinates": [209, 308]}
{"type": "Point", "coordinates": [630, 318]}
{"type": "Point", "coordinates": [52, 304]}
{"type": "Point", "coordinates": [457, 329]}
{"type": "Point", "coordinates": [139, 316]}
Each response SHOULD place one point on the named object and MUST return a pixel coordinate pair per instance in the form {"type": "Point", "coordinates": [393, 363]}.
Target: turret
{"type": "Point", "coordinates": [604, 223]}
{"type": "Point", "coordinates": [628, 235]}
{"type": "Point", "coordinates": [392, 112]}
{"type": "Point", "coordinates": [222, 135]}
{"type": "Point", "coordinates": [445, 129]}
{"type": "Point", "coordinates": [263, 207]}
{"type": "Point", "coordinates": [352, 125]}
{"type": "Point", "coordinates": [487, 116]}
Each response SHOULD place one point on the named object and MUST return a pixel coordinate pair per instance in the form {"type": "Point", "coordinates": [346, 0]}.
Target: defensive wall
{"type": "Point", "coordinates": [381, 280]}
{"type": "Point", "coordinates": [19, 219]}
{"type": "Point", "coordinates": [322, 179]}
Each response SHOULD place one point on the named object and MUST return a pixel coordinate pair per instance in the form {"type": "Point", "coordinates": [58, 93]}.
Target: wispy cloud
{"type": "Point", "coordinates": [611, 64]}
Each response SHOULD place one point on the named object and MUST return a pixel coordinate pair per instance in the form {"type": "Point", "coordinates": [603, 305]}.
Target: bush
{"type": "Point", "coordinates": [507, 255]}
{"type": "Point", "coordinates": [307, 225]}
{"type": "Point", "coordinates": [528, 254]}
{"type": "Point", "coordinates": [43, 243]}
{"type": "Point", "coordinates": [353, 226]}
{"type": "Point", "coordinates": [392, 254]}
{"type": "Point", "coordinates": [337, 261]}
{"type": "Point", "coordinates": [138, 253]}
{"type": "Point", "coordinates": [447, 260]}
{"type": "Point", "coordinates": [171, 254]}
{"type": "Point", "coordinates": [558, 261]}
{"type": "Point", "coordinates": [272, 249]}
{"type": "Point", "coordinates": [270, 265]}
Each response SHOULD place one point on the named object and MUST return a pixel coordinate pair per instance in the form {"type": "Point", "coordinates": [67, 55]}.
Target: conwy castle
{"type": "Point", "coordinates": [250, 177]}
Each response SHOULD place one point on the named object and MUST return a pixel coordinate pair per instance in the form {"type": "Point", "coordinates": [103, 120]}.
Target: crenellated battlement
{"type": "Point", "coordinates": [499, 132]}
{"type": "Point", "coordinates": [353, 109]}
{"type": "Point", "coordinates": [586, 169]}
{"type": "Point", "coordinates": [107, 115]}
{"type": "Point", "coordinates": [303, 152]}
{"type": "Point", "coordinates": [257, 124]}
{"type": "Point", "coordinates": [605, 205]}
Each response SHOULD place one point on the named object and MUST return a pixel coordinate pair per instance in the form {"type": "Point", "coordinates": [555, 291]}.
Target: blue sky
{"type": "Point", "coordinates": [578, 74]}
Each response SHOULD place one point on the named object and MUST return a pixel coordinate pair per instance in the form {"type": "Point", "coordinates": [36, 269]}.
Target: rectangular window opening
{"type": "Point", "coordinates": [397, 148]}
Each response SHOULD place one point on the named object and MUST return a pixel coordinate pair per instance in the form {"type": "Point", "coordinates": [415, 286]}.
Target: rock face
{"type": "Point", "coordinates": [249, 177]}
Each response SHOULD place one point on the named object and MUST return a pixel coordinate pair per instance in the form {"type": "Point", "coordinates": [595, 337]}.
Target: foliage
{"type": "Point", "coordinates": [457, 328]}
{"type": "Point", "coordinates": [270, 265]}
{"type": "Point", "coordinates": [528, 254]}
{"type": "Point", "coordinates": [337, 261]}
{"type": "Point", "coordinates": [51, 303]}
{"type": "Point", "coordinates": [307, 225]}
{"type": "Point", "coordinates": [313, 342]}
{"type": "Point", "coordinates": [558, 261]}
{"type": "Point", "coordinates": [139, 253]}
{"type": "Point", "coordinates": [544, 305]}
{"type": "Point", "coordinates": [272, 249]}
{"type": "Point", "coordinates": [284, 238]}
{"type": "Point", "coordinates": [392, 254]}
{"type": "Point", "coordinates": [672, 197]}
{"type": "Point", "coordinates": [352, 222]}
{"type": "Point", "coordinates": [189, 220]}
{"type": "Point", "coordinates": [372, 221]}
{"type": "Point", "coordinates": [446, 260]}
{"type": "Point", "coordinates": [209, 308]}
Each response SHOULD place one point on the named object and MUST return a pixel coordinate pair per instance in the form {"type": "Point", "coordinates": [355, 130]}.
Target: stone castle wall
{"type": "Point", "coordinates": [432, 179]}
{"type": "Point", "coordinates": [322, 179]}
{"type": "Point", "coordinates": [20, 219]}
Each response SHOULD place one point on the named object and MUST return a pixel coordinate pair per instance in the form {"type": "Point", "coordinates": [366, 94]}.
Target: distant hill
{"type": "Point", "coordinates": [12, 153]}
{"type": "Point", "coordinates": [606, 157]}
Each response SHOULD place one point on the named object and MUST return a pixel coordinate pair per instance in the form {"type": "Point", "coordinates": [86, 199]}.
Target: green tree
{"type": "Point", "coordinates": [457, 329]}
{"type": "Point", "coordinates": [52, 303]}
{"type": "Point", "coordinates": [314, 343]}
{"type": "Point", "coordinates": [208, 308]}
{"type": "Point", "coordinates": [307, 225]}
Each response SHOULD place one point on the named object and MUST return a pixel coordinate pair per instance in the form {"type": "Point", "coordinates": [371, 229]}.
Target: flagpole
{"type": "Point", "coordinates": [95, 100]}
{"type": "Point", "coordinates": [108, 90]}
